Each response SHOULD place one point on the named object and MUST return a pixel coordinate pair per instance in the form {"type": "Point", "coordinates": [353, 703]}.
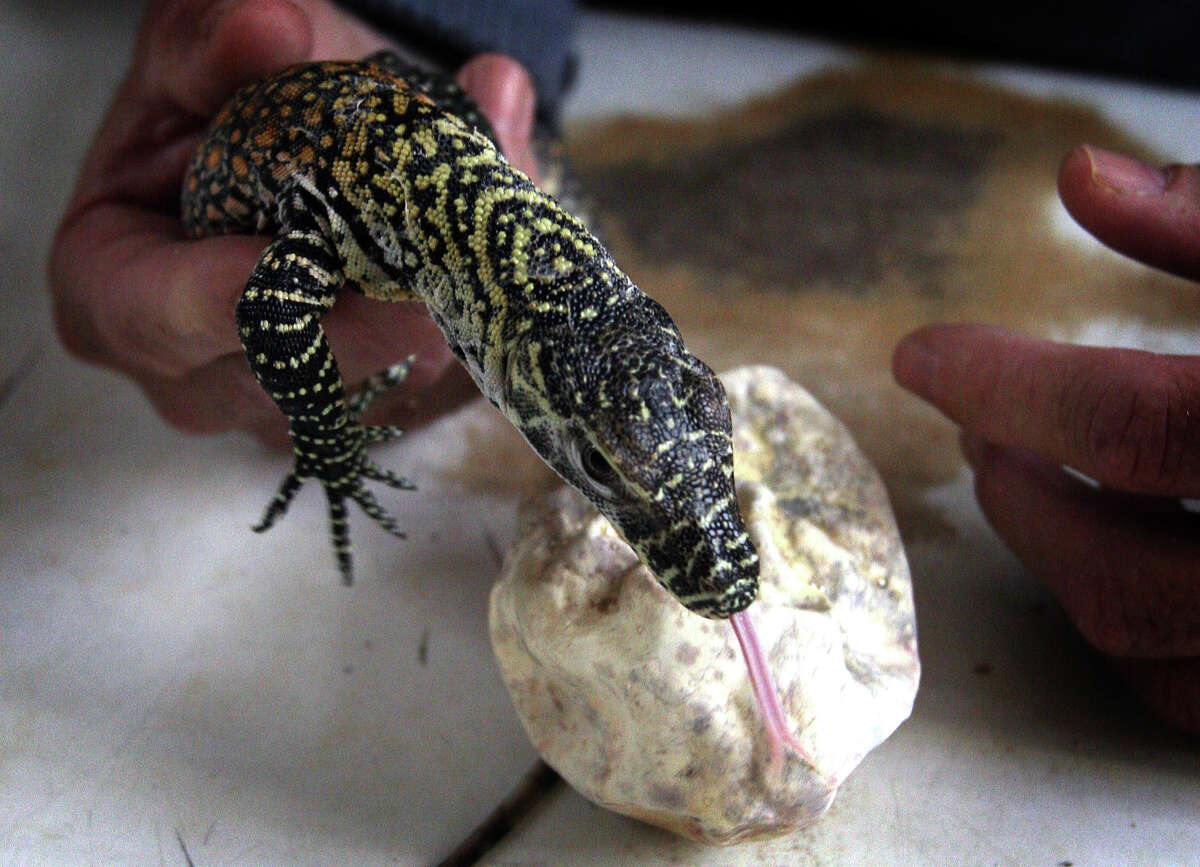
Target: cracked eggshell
{"type": "Point", "coordinates": [646, 708]}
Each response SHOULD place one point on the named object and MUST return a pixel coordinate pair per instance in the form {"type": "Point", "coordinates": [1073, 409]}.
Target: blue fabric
{"type": "Point", "coordinates": [538, 33]}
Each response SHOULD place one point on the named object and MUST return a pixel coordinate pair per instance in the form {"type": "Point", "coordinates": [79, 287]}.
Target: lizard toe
{"type": "Point", "coordinates": [376, 512]}
{"type": "Point", "coordinates": [279, 505]}
{"type": "Point", "coordinates": [378, 384]}
{"type": "Point", "coordinates": [394, 480]}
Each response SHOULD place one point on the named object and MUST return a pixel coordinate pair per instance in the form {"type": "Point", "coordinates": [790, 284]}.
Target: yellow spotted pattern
{"type": "Point", "coordinates": [380, 178]}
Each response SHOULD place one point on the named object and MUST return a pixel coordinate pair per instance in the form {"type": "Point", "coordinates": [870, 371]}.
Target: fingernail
{"type": "Point", "coordinates": [1120, 174]}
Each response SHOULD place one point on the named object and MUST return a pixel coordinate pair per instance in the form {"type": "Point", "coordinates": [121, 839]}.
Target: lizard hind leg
{"type": "Point", "coordinates": [293, 285]}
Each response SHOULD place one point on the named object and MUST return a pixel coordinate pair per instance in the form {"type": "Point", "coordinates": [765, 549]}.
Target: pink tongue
{"type": "Point", "coordinates": [766, 695]}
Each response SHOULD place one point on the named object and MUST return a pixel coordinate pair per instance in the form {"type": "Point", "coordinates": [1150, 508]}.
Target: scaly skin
{"type": "Point", "coordinates": [383, 179]}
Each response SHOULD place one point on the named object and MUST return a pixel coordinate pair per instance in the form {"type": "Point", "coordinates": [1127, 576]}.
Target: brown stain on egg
{"type": "Point", "coordinates": [687, 654]}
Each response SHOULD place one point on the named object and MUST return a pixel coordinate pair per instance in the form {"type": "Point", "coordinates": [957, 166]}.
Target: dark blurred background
{"type": "Point", "coordinates": [1153, 41]}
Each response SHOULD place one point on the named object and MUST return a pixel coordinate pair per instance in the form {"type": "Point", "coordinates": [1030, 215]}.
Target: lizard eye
{"type": "Point", "coordinates": [597, 472]}
{"type": "Point", "coordinates": [596, 466]}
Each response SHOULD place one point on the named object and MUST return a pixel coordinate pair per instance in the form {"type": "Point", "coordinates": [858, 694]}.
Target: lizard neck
{"type": "Point", "coordinates": [502, 267]}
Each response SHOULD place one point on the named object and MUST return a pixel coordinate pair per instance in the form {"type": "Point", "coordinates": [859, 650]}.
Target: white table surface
{"type": "Point", "coordinates": [169, 679]}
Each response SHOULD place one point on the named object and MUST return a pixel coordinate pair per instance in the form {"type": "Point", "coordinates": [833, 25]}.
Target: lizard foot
{"type": "Point", "coordinates": [340, 463]}
{"type": "Point", "coordinates": [338, 460]}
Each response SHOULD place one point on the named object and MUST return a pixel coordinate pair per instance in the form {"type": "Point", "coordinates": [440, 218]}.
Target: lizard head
{"type": "Point", "coordinates": [642, 429]}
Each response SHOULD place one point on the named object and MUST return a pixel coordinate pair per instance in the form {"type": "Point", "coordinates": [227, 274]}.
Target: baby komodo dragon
{"type": "Point", "coordinates": [384, 179]}
{"type": "Point", "coordinates": [366, 181]}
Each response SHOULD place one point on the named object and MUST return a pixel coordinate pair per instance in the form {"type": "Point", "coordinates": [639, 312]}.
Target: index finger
{"type": "Point", "coordinates": [1148, 213]}
{"type": "Point", "coordinates": [1128, 419]}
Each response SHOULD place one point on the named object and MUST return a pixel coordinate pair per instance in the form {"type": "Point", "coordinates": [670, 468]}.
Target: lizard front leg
{"type": "Point", "coordinates": [279, 320]}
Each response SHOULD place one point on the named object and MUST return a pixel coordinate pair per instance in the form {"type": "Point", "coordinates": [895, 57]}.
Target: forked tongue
{"type": "Point", "coordinates": [766, 694]}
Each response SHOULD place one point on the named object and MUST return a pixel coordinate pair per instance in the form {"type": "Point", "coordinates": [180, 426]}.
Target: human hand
{"type": "Point", "coordinates": [132, 294]}
{"type": "Point", "coordinates": [1123, 559]}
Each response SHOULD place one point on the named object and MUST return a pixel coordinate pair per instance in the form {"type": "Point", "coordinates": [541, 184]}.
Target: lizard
{"type": "Point", "coordinates": [379, 177]}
